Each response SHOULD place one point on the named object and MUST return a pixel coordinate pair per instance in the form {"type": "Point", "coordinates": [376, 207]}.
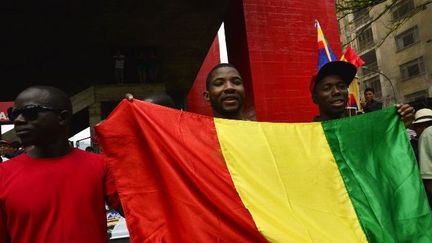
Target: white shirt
{"type": "Point", "coordinates": [425, 153]}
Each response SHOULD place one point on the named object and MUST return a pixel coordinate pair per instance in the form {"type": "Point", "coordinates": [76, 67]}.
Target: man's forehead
{"type": "Point", "coordinates": [33, 96]}
{"type": "Point", "coordinates": [331, 79]}
{"type": "Point", "coordinates": [223, 71]}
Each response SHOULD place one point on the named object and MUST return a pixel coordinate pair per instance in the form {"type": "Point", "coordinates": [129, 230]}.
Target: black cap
{"type": "Point", "coordinates": [345, 70]}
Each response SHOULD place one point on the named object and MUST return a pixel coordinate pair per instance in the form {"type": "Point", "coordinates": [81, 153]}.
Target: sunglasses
{"type": "Point", "coordinates": [29, 112]}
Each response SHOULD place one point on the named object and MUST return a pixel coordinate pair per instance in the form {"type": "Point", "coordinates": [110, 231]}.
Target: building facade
{"type": "Point", "coordinates": [394, 38]}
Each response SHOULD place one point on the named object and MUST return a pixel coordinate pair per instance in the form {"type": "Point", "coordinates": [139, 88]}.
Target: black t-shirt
{"type": "Point", "coordinates": [373, 106]}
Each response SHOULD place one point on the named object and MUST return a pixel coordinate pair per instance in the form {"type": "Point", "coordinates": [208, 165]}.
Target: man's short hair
{"type": "Point", "coordinates": [369, 89]}
{"type": "Point", "coordinates": [56, 97]}
{"type": "Point", "coordinates": [210, 74]}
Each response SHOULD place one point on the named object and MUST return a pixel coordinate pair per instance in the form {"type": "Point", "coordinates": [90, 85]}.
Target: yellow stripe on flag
{"type": "Point", "coordinates": [324, 41]}
{"type": "Point", "coordinates": [292, 187]}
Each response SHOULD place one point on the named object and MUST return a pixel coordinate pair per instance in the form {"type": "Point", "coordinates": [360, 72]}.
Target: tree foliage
{"type": "Point", "coordinates": [343, 8]}
{"type": "Point", "coordinates": [347, 7]}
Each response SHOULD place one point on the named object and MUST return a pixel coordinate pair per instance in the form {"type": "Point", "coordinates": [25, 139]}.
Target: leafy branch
{"type": "Point", "coordinates": [347, 7]}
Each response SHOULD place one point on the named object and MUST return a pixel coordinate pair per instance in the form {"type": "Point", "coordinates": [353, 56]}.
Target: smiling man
{"type": "Point", "coordinates": [225, 92]}
{"type": "Point", "coordinates": [329, 89]}
{"type": "Point", "coordinates": [53, 192]}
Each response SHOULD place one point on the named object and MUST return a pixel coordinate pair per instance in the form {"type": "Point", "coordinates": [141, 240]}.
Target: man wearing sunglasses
{"type": "Point", "coordinates": [53, 192]}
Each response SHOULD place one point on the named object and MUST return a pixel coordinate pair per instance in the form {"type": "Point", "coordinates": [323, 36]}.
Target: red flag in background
{"type": "Point", "coordinates": [351, 57]}
{"type": "Point", "coordinates": [354, 88]}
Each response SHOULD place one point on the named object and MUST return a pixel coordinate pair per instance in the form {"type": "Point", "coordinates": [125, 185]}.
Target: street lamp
{"type": "Point", "coordinates": [386, 77]}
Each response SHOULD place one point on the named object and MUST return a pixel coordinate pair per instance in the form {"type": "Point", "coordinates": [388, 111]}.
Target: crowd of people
{"type": "Point", "coordinates": [51, 187]}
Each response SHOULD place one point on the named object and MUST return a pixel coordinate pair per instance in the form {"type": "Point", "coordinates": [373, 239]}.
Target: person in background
{"type": "Point", "coordinates": [412, 136]}
{"type": "Point", "coordinates": [15, 150]}
{"type": "Point", "coordinates": [119, 67]}
{"type": "Point", "coordinates": [370, 104]}
{"type": "Point", "coordinates": [423, 127]}
{"type": "Point", "coordinates": [53, 192]}
{"type": "Point", "coordinates": [141, 61]}
{"type": "Point", "coordinates": [5, 148]}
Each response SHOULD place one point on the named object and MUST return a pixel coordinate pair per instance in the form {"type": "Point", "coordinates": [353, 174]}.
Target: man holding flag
{"type": "Point", "coordinates": [329, 87]}
{"type": "Point", "coordinates": [223, 180]}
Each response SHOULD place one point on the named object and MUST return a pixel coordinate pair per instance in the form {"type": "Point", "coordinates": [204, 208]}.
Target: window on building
{"type": "Point", "coordinates": [402, 9]}
{"type": "Point", "coordinates": [419, 95]}
{"type": "Point", "coordinates": [361, 17]}
{"type": "Point", "coordinates": [365, 38]}
{"type": "Point", "coordinates": [371, 63]}
{"type": "Point", "coordinates": [374, 83]}
{"type": "Point", "coordinates": [412, 68]}
{"type": "Point", "coordinates": [407, 38]}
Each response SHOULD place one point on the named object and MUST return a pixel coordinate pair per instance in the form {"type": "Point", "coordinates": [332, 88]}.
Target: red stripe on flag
{"type": "Point", "coordinates": [352, 57]}
{"type": "Point", "coordinates": [173, 188]}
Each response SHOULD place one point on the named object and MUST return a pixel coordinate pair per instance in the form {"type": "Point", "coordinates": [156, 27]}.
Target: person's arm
{"type": "Point", "coordinates": [406, 112]}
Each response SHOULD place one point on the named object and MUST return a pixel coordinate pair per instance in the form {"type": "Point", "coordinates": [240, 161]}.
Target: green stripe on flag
{"type": "Point", "coordinates": [382, 177]}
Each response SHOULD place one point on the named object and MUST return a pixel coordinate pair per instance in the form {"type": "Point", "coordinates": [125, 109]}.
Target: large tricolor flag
{"type": "Point", "coordinates": [184, 177]}
{"type": "Point", "coordinates": [325, 53]}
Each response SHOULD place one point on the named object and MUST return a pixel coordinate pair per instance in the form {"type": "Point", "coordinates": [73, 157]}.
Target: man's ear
{"type": "Point", "coordinates": [206, 95]}
{"type": "Point", "coordinates": [65, 117]}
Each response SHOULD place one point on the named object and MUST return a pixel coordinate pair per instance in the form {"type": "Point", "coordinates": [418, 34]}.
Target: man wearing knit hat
{"type": "Point", "coordinates": [423, 127]}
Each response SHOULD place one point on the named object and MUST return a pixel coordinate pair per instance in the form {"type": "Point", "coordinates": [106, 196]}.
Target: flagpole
{"type": "Point", "coordinates": [323, 39]}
